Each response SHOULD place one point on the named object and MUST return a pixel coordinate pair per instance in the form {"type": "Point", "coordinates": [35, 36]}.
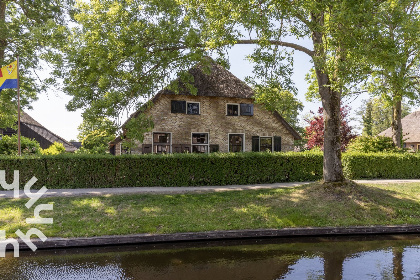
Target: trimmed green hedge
{"type": "Point", "coordinates": [381, 165]}
{"type": "Point", "coordinates": [100, 171]}
{"type": "Point", "coordinates": [94, 171]}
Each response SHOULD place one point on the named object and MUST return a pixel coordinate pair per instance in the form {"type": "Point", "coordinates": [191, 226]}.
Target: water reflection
{"type": "Point", "coordinates": [375, 257]}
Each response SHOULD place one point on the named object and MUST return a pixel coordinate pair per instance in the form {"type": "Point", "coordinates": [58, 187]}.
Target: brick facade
{"type": "Point", "coordinates": [214, 121]}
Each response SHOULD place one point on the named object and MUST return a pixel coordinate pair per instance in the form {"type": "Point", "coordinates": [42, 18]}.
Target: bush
{"type": "Point", "coordinates": [381, 165]}
{"type": "Point", "coordinates": [372, 144]}
{"type": "Point", "coordinates": [55, 149]}
{"type": "Point", "coordinates": [96, 171]}
{"type": "Point", "coordinates": [9, 145]}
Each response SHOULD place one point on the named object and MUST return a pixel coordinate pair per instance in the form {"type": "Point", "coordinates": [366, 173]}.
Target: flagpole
{"type": "Point", "coordinates": [18, 102]}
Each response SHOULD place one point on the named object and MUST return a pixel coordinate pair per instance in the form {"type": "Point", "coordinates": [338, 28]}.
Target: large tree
{"type": "Point", "coordinates": [124, 50]}
{"type": "Point", "coordinates": [394, 54]}
{"type": "Point", "coordinates": [377, 115]}
{"type": "Point", "coordinates": [121, 52]}
{"type": "Point", "coordinates": [29, 29]}
{"type": "Point", "coordinates": [272, 26]}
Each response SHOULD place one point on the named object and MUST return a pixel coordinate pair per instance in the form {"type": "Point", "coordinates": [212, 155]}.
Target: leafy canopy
{"type": "Point", "coordinates": [32, 30]}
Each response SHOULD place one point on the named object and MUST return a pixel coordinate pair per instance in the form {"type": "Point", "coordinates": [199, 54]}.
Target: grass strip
{"type": "Point", "coordinates": [314, 205]}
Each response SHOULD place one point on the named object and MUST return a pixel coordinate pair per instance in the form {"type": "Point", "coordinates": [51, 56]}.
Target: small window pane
{"type": "Point", "coordinates": [161, 137]}
{"type": "Point", "coordinates": [200, 149]}
{"type": "Point", "coordinates": [232, 109]}
{"type": "Point", "coordinates": [266, 144]}
{"type": "Point", "coordinates": [235, 143]}
{"type": "Point", "coordinates": [193, 108]}
{"type": "Point", "coordinates": [200, 138]}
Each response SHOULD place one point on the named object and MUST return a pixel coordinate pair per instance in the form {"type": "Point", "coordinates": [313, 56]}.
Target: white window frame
{"type": "Point", "coordinates": [239, 111]}
{"type": "Point", "coordinates": [272, 142]}
{"type": "Point", "coordinates": [208, 141]}
{"type": "Point", "coordinates": [243, 141]}
{"type": "Point", "coordinates": [186, 107]}
{"type": "Point", "coordinates": [170, 141]}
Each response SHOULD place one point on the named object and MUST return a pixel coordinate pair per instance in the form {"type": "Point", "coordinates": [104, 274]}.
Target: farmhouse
{"type": "Point", "coordinates": [221, 116]}
{"type": "Point", "coordinates": [32, 129]}
{"type": "Point", "coordinates": [410, 129]}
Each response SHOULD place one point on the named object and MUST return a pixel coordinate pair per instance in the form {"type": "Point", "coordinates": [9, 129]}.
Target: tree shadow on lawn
{"type": "Point", "coordinates": [343, 204]}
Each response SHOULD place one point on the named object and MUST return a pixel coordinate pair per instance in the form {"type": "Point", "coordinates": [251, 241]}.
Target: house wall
{"type": "Point", "coordinates": [213, 120]}
{"type": "Point", "coordinates": [412, 146]}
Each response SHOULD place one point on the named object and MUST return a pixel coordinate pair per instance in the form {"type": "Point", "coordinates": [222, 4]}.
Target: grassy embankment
{"type": "Point", "coordinates": [305, 206]}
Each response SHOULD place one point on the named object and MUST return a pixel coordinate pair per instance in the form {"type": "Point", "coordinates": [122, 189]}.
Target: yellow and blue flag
{"type": "Point", "coordinates": [8, 76]}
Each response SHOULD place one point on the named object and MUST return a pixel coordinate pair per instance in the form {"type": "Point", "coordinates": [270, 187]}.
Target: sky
{"type": "Point", "coordinates": [49, 110]}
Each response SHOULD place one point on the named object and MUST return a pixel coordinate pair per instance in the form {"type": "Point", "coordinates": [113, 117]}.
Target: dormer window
{"type": "Point", "coordinates": [232, 109]}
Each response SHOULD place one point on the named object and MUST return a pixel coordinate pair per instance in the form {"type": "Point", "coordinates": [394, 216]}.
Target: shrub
{"type": "Point", "coordinates": [381, 165]}
{"type": "Point", "coordinates": [372, 144]}
{"type": "Point", "coordinates": [87, 171]}
{"type": "Point", "coordinates": [9, 145]}
{"type": "Point", "coordinates": [55, 149]}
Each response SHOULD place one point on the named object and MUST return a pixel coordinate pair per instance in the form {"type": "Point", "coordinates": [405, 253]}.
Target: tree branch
{"type": "Point", "coordinates": [278, 43]}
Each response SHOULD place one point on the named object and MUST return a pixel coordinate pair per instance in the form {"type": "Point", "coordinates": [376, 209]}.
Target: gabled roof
{"type": "Point", "coordinates": [27, 120]}
{"type": "Point", "coordinates": [410, 128]}
{"type": "Point", "coordinates": [213, 80]}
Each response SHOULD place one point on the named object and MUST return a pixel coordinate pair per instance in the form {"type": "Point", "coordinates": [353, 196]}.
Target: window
{"type": "Point", "coordinates": [236, 143]}
{"type": "Point", "coordinates": [178, 106]}
{"type": "Point", "coordinates": [200, 142]}
{"type": "Point", "coordinates": [247, 109]}
{"type": "Point", "coordinates": [263, 144]}
{"type": "Point", "coordinates": [232, 109]}
{"type": "Point", "coordinates": [193, 108]}
{"type": "Point", "coordinates": [161, 142]}
{"type": "Point", "coordinates": [266, 144]}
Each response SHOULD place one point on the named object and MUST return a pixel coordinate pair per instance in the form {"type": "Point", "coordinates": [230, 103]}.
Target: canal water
{"type": "Point", "coordinates": [372, 257]}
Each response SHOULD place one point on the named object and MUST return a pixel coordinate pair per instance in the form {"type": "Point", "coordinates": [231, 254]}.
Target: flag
{"type": "Point", "coordinates": [8, 76]}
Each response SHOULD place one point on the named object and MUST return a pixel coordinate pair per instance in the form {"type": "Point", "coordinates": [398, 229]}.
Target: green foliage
{"type": "Point", "coordinates": [55, 149]}
{"type": "Point", "coordinates": [282, 101]}
{"type": "Point", "coordinates": [121, 52]}
{"type": "Point", "coordinates": [372, 144]}
{"type": "Point", "coordinates": [135, 129]}
{"type": "Point", "coordinates": [32, 30]}
{"type": "Point", "coordinates": [97, 171]}
{"type": "Point", "coordinates": [377, 115]}
{"type": "Point", "coordinates": [95, 134]}
{"type": "Point", "coordinates": [9, 146]}
{"type": "Point", "coordinates": [100, 171]}
{"type": "Point", "coordinates": [381, 165]}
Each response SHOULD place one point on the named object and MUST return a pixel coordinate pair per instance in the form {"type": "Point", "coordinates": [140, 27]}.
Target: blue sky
{"type": "Point", "coordinates": [50, 109]}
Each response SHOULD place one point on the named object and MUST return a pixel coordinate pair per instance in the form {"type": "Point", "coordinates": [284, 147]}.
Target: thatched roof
{"type": "Point", "coordinates": [410, 128]}
{"type": "Point", "coordinates": [217, 82]}
{"type": "Point", "coordinates": [37, 128]}
{"type": "Point", "coordinates": [214, 80]}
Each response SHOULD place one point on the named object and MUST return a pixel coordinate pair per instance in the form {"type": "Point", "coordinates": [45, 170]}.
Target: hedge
{"type": "Point", "coordinates": [100, 171]}
{"type": "Point", "coordinates": [381, 165]}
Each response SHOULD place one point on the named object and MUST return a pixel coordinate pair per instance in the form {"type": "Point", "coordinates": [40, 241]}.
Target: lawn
{"type": "Point", "coordinates": [313, 205]}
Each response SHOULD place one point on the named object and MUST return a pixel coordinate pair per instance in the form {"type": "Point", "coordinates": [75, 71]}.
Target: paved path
{"type": "Point", "coordinates": [180, 190]}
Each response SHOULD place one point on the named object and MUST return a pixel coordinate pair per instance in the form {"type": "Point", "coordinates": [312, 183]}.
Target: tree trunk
{"type": "Point", "coordinates": [331, 101]}
{"type": "Point", "coordinates": [396, 123]}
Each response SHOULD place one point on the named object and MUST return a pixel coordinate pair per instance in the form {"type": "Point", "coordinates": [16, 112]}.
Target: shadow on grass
{"type": "Point", "coordinates": [348, 204]}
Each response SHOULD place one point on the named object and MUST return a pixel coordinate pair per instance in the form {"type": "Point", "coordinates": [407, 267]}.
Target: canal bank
{"type": "Point", "coordinates": [83, 219]}
{"type": "Point", "coordinates": [58, 243]}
